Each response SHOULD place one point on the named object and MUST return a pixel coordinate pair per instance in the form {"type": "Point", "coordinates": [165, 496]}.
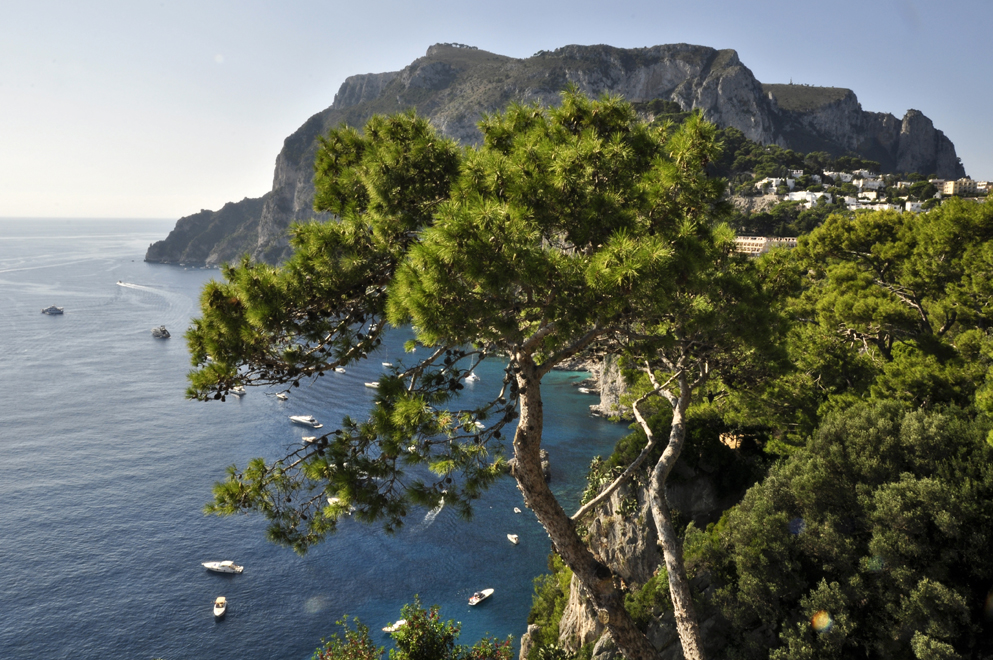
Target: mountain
{"type": "Point", "coordinates": [453, 85]}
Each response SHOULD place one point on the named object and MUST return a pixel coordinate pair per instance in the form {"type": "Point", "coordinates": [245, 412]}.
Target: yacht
{"type": "Point", "coordinates": [392, 628]}
{"type": "Point", "coordinates": [226, 566]}
{"type": "Point", "coordinates": [306, 420]}
{"type": "Point", "coordinates": [52, 309]}
{"type": "Point", "coordinates": [480, 596]}
{"type": "Point", "coordinates": [372, 386]}
{"type": "Point", "coordinates": [238, 390]}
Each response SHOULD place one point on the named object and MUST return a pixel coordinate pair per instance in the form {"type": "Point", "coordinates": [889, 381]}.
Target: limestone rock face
{"type": "Point", "coordinates": [622, 535]}
{"type": "Point", "coordinates": [610, 382]}
{"type": "Point", "coordinates": [453, 86]}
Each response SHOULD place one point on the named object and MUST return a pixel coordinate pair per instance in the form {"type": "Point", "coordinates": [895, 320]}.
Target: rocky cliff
{"type": "Point", "coordinates": [454, 85]}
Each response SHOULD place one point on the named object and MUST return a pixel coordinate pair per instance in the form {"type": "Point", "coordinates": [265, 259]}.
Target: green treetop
{"type": "Point", "coordinates": [569, 231]}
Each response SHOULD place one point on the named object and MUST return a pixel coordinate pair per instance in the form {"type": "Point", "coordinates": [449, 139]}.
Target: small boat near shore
{"type": "Point", "coordinates": [480, 596]}
{"type": "Point", "coordinates": [306, 420]}
{"type": "Point", "coordinates": [372, 386]}
{"type": "Point", "coordinates": [220, 606]}
{"type": "Point", "coordinates": [517, 510]}
{"type": "Point", "coordinates": [237, 391]}
{"type": "Point", "coordinates": [160, 332]}
{"type": "Point", "coordinates": [281, 396]}
{"type": "Point", "coordinates": [513, 538]}
{"type": "Point", "coordinates": [393, 627]}
{"type": "Point", "coordinates": [226, 566]}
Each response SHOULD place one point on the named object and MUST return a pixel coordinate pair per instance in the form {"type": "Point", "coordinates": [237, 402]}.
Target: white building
{"type": "Point", "coordinates": [753, 246]}
{"type": "Point", "coordinates": [765, 184]}
{"type": "Point", "coordinates": [840, 177]}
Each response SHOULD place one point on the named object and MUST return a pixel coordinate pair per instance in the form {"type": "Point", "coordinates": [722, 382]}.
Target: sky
{"type": "Point", "coordinates": [135, 109]}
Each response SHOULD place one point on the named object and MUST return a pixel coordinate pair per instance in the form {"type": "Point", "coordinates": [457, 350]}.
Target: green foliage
{"type": "Point", "coordinates": [886, 306]}
{"type": "Point", "coordinates": [551, 594]}
{"type": "Point", "coordinates": [651, 601]}
{"type": "Point", "coordinates": [425, 636]}
{"type": "Point", "coordinates": [872, 542]}
{"type": "Point", "coordinates": [564, 227]}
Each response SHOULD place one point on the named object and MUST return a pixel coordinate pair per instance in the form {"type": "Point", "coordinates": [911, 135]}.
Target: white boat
{"type": "Point", "coordinates": [513, 538]}
{"type": "Point", "coordinates": [238, 391]}
{"type": "Point", "coordinates": [372, 386]}
{"type": "Point", "coordinates": [226, 566]}
{"type": "Point", "coordinates": [516, 510]}
{"type": "Point", "coordinates": [220, 606]}
{"type": "Point", "coordinates": [281, 396]}
{"type": "Point", "coordinates": [480, 596]}
{"type": "Point", "coordinates": [306, 420]}
{"type": "Point", "coordinates": [52, 309]}
{"type": "Point", "coordinates": [395, 626]}
{"type": "Point", "coordinates": [471, 378]}
{"type": "Point", "coordinates": [480, 425]}
{"type": "Point", "coordinates": [389, 364]}
{"type": "Point", "coordinates": [587, 390]}
{"type": "Point", "coordinates": [309, 439]}
{"type": "Point", "coordinates": [339, 370]}
{"type": "Point", "coordinates": [160, 332]}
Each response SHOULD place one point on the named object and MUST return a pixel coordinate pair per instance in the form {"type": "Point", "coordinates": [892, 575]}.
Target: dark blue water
{"type": "Point", "coordinates": [105, 468]}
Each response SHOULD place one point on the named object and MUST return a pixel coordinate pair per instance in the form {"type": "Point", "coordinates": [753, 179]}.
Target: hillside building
{"type": "Point", "coordinates": [753, 246]}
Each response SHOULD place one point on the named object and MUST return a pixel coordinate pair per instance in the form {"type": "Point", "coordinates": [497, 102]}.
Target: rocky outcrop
{"type": "Point", "coordinates": [610, 383]}
{"type": "Point", "coordinates": [622, 536]}
{"type": "Point", "coordinates": [454, 86]}
{"type": "Point", "coordinates": [210, 237]}
{"type": "Point", "coordinates": [832, 119]}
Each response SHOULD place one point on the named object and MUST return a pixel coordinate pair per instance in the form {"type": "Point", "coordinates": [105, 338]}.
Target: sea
{"type": "Point", "coordinates": [105, 468]}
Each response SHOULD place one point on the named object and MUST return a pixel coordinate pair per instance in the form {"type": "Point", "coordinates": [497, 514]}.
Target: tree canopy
{"type": "Point", "coordinates": [570, 231]}
{"type": "Point", "coordinates": [871, 542]}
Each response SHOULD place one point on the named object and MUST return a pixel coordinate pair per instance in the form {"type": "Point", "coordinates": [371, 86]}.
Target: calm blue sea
{"type": "Point", "coordinates": [105, 468]}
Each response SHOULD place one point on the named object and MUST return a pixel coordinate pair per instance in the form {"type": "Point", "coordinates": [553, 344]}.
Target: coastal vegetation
{"type": "Point", "coordinates": [852, 371]}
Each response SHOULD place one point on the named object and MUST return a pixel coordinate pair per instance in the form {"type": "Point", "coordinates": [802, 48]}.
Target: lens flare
{"type": "Point", "coordinates": [821, 621]}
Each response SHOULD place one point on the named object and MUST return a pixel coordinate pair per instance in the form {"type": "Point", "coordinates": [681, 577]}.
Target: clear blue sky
{"type": "Point", "coordinates": [159, 109]}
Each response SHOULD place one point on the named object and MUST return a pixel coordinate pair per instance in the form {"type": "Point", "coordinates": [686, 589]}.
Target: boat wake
{"type": "Point", "coordinates": [430, 516]}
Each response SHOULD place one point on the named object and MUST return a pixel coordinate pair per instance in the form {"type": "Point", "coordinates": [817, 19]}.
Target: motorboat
{"type": "Point", "coordinates": [480, 425]}
{"type": "Point", "coordinates": [471, 378]}
{"type": "Point", "coordinates": [306, 420]}
{"type": "Point", "coordinates": [480, 596]}
{"type": "Point", "coordinates": [159, 332]}
{"type": "Point", "coordinates": [392, 628]}
{"type": "Point", "coordinates": [220, 606]}
{"type": "Point", "coordinates": [513, 538]}
{"type": "Point", "coordinates": [52, 309]}
{"type": "Point", "coordinates": [516, 510]}
{"type": "Point", "coordinates": [339, 370]}
{"type": "Point", "coordinates": [226, 566]}
{"type": "Point", "coordinates": [388, 364]}
{"type": "Point", "coordinates": [309, 439]}
{"type": "Point", "coordinates": [238, 390]}
{"type": "Point", "coordinates": [587, 390]}
{"type": "Point", "coordinates": [372, 386]}
{"type": "Point", "coordinates": [281, 396]}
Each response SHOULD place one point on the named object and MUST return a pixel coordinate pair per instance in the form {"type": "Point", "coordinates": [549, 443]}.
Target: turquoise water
{"type": "Point", "coordinates": [105, 468]}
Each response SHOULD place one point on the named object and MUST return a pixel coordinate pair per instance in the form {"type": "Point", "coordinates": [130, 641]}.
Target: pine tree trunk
{"type": "Point", "coordinates": [596, 578]}
{"type": "Point", "coordinates": [672, 549]}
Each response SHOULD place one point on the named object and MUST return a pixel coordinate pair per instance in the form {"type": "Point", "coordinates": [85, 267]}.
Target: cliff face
{"type": "Point", "coordinates": [454, 86]}
{"type": "Point", "coordinates": [832, 119]}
